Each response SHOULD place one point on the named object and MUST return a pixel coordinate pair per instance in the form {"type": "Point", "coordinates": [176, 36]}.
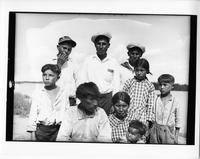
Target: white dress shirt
{"type": "Point", "coordinates": [77, 126]}
{"type": "Point", "coordinates": [68, 77]}
{"type": "Point", "coordinates": [104, 73]}
{"type": "Point", "coordinates": [43, 110]}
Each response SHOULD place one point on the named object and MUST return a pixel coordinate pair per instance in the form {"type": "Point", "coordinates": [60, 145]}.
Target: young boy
{"type": "Point", "coordinates": [48, 106]}
{"type": "Point", "coordinates": [136, 132]}
{"type": "Point", "coordinates": [85, 122]}
{"type": "Point", "coordinates": [167, 113]}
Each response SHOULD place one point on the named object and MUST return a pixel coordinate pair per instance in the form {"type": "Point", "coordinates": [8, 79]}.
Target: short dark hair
{"type": "Point", "coordinates": [167, 78]}
{"type": "Point", "coordinates": [138, 125]}
{"type": "Point", "coordinates": [87, 89]}
{"type": "Point", "coordinates": [54, 68]}
{"type": "Point", "coordinates": [121, 96]}
{"type": "Point", "coordinates": [144, 64]}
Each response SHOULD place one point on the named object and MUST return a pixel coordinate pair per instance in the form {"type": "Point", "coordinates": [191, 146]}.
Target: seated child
{"type": "Point", "coordinates": [165, 130]}
{"type": "Point", "coordinates": [136, 132]}
{"type": "Point", "coordinates": [48, 106]}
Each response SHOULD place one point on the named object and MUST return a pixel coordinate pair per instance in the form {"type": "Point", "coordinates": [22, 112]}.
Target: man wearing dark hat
{"type": "Point", "coordinates": [68, 78]}
{"type": "Point", "coordinates": [135, 52]}
{"type": "Point", "coordinates": [102, 70]}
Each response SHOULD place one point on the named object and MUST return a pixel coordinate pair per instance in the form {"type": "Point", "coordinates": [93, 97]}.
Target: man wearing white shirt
{"type": "Point", "coordinates": [68, 78]}
{"type": "Point", "coordinates": [102, 70]}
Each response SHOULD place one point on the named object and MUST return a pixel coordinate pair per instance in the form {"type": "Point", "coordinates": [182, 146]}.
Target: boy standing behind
{"type": "Point", "coordinates": [167, 114]}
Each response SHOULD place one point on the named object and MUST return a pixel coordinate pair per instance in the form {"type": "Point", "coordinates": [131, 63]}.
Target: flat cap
{"type": "Point", "coordinates": [107, 35]}
{"type": "Point", "coordinates": [66, 39]}
{"type": "Point", "coordinates": [132, 45]}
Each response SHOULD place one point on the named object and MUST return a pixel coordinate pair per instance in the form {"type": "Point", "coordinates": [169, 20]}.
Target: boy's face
{"type": "Point", "coordinates": [133, 135]}
{"type": "Point", "coordinates": [102, 46]}
{"type": "Point", "coordinates": [121, 109]}
{"type": "Point", "coordinates": [89, 104]}
{"type": "Point", "coordinates": [165, 88]}
{"type": "Point", "coordinates": [140, 73]}
{"type": "Point", "coordinates": [49, 78]}
{"type": "Point", "coordinates": [134, 54]}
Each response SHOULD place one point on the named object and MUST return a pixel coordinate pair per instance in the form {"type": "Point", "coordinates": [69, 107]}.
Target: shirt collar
{"type": "Point", "coordinates": [129, 64]}
{"type": "Point", "coordinates": [104, 60]}
{"type": "Point", "coordinates": [169, 99]}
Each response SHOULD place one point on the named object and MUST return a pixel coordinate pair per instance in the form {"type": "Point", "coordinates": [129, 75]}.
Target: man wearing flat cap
{"type": "Point", "coordinates": [102, 70]}
{"type": "Point", "coordinates": [68, 78]}
{"type": "Point", "coordinates": [135, 52]}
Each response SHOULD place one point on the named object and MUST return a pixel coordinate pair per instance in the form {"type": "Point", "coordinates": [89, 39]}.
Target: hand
{"type": "Point", "coordinates": [122, 139]}
{"type": "Point", "coordinates": [33, 138]}
{"type": "Point", "coordinates": [62, 58]}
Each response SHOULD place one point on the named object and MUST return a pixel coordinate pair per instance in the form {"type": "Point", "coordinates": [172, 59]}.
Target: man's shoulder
{"type": "Point", "coordinates": [100, 111]}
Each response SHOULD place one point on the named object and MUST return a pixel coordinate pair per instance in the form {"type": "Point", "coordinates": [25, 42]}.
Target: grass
{"type": "Point", "coordinates": [22, 104]}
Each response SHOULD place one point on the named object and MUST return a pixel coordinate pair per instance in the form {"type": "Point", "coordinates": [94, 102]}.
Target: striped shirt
{"type": "Point", "coordinates": [142, 95]}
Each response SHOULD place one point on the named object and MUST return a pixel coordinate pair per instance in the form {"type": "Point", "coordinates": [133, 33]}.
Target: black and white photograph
{"type": "Point", "coordinates": [101, 79]}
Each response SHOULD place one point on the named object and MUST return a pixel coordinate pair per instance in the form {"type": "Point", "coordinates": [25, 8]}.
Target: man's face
{"type": "Point", "coordinates": [89, 104]}
{"type": "Point", "coordinates": [133, 135]}
{"type": "Point", "coordinates": [165, 88]}
{"type": "Point", "coordinates": [49, 78]}
{"type": "Point", "coordinates": [64, 49]}
{"type": "Point", "coordinates": [121, 109]}
{"type": "Point", "coordinates": [102, 46]}
{"type": "Point", "coordinates": [134, 54]}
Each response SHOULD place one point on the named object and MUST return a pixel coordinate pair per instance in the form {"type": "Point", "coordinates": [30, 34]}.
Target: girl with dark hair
{"type": "Point", "coordinates": [142, 92]}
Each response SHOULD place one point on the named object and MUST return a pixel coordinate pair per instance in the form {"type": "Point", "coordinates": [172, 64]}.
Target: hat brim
{"type": "Point", "coordinates": [142, 49]}
{"type": "Point", "coordinates": [94, 37]}
{"type": "Point", "coordinates": [71, 42]}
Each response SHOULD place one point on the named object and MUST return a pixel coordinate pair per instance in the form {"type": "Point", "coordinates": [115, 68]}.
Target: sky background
{"type": "Point", "coordinates": [166, 39]}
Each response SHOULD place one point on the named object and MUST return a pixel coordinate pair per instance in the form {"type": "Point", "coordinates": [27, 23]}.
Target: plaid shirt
{"type": "Point", "coordinates": [142, 95]}
{"type": "Point", "coordinates": [120, 127]}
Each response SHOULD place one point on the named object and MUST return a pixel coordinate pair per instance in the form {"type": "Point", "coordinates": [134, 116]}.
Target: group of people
{"type": "Point", "coordinates": [103, 101]}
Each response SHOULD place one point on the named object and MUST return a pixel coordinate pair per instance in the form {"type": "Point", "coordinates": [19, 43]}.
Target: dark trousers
{"type": "Point", "coordinates": [105, 102]}
{"type": "Point", "coordinates": [46, 132]}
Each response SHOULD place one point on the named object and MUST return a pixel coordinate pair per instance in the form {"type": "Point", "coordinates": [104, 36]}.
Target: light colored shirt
{"type": "Point", "coordinates": [168, 114]}
{"type": "Point", "coordinates": [43, 110]}
{"type": "Point", "coordinates": [77, 126]}
{"type": "Point", "coordinates": [142, 95]}
{"type": "Point", "coordinates": [126, 72]}
{"type": "Point", "coordinates": [68, 79]}
{"type": "Point", "coordinates": [105, 73]}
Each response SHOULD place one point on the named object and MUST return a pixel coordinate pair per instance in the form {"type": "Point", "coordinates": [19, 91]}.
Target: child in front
{"type": "Point", "coordinates": [166, 128]}
{"type": "Point", "coordinates": [48, 106]}
{"type": "Point", "coordinates": [136, 132]}
{"type": "Point", "coordinates": [142, 92]}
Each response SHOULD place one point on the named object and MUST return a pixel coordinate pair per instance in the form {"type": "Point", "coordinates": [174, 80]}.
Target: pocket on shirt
{"type": "Point", "coordinates": [109, 75]}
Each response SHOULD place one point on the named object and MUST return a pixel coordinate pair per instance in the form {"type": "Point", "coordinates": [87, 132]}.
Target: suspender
{"type": "Point", "coordinates": [169, 111]}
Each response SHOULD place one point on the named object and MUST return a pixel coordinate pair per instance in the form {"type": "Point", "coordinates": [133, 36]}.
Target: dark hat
{"type": "Point", "coordinates": [132, 45]}
{"type": "Point", "coordinates": [107, 35]}
{"type": "Point", "coordinates": [66, 39]}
